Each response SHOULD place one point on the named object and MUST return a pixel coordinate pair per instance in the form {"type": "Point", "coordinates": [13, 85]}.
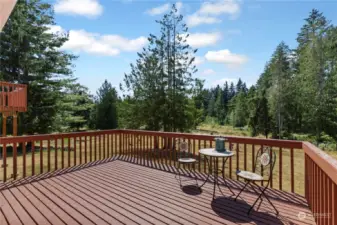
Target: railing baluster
{"type": "Point", "coordinates": [194, 156]}
{"type": "Point", "coordinates": [189, 151]}
{"type": "Point", "coordinates": [62, 152]}
{"type": "Point", "coordinates": [108, 146]}
{"type": "Point", "coordinates": [245, 156]}
{"type": "Point", "coordinates": [24, 159]}
{"type": "Point", "coordinates": [41, 157]}
{"type": "Point", "coordinates": [69, 156]}
{"type": "Point", "coordinates": [149, 150]}
{"type": "Point", "coordinates": [161, 139]}
{"type": "Point", "coordinates": [48, 146]}
{"type": "Point", "coordinates": [199, 157]}
{"type": "Point", "coordinates": [95, 140]}
{"type": "Point", "coordinates": [85, 149]}
{"type": "Point", "coordinates": [237, 159]}
{"type": "Point", "coordinates": [33, 158]}
{"type": "Point", "coordinates": [120, 144]}
{"type": "Point", "coordinates": [253, 158]}
{"type": "Point", "coordinates": [334, 204]}
{"type": "Point", "coordinates": [15, 165]}
{"type": "Point", "coordinates": [230, 161]}
{"type": "Point", "coordinates": [144, 149]}
{"type": "Point", "coordinates": [100, 146]}
{"type": "Point", "coordinates": [104, 149]}
{"type": "Point", "coordinates": [271, 169]}
{"type": "Point", "coordinates": [75, 155]}
{"type": "Point", "coordinates": [210, 158]}
{"type": "Point", "coordinates": [55, 146]}
{"type": "Point", "coordinates": [262, 148]}
{"type": "Point", "coordinates": [112, 145]}
{"type": "Point", "coordinates": [280, 168]}
{"type": "Point", "coordinates": [4, 161]}
{"type": "Point", "coordinates": [292, 169]}
{"type": "Point", "coordinates": [205, 165]}
{"type": "Point", "coordinates": [80, 140]}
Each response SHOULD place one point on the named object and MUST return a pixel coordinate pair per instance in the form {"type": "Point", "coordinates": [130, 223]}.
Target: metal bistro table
{"type": "Point", "coordinates": [212, 153]}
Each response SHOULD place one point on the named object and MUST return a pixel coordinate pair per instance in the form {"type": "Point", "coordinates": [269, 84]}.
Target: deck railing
{"type": "Point", "coordinates": [13, 97]}
{"type": "Point", "coordinates": [301, 168]}
{"type": "Point", "coordinates": [321, 184]}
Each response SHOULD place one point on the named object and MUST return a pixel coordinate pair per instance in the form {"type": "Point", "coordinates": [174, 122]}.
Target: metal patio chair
{"type": "Point", "coordinates": [263, 169]}
{"type": "Point", "coordinates": [184, 158]}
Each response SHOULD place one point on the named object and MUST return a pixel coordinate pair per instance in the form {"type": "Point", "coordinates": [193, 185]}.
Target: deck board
{"type": "Point", "coordinates": [122, 192]}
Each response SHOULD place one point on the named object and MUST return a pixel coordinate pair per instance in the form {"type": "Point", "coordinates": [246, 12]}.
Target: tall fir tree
{"type": "Point", "coordinates": [167, 66]}
{"type": "Point", "coordinates": [313, 78]}
{"type": "Point", "coordinates": [106, 107]}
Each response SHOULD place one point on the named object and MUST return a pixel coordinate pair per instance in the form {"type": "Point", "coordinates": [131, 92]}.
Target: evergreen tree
{"type": "Point", "coordinates": [313, 78]}
{"type": "Point", "coordinates": [279, 92]}
{"type": "Point", "coordinates": [106, 108]}
{"type": "Point", "coordinates": [74, 108]}
{"type": "Point", "coordinates": [162, 78]}
{"type": "Point", "coordinates": [226, 99]}
{"type": "Point", "coordinates": [219, 107]}
{"type": "Point", "coordinates": [232, 92]}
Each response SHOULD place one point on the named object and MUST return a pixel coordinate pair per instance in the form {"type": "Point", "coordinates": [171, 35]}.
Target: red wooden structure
{"type": "Point", "coordinates": [13, 99]}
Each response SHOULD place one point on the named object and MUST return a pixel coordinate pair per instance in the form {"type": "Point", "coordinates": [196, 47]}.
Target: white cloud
{"type": "Point", "coordinates": [208, 72]}
{"type": "Point", "coordinates": [164, 8]}
{"type": "Point", "coordinates": [82, 41]}
{"type": "Point", "coordinates": [198, 40]}
{"type": "Point", "coordinates": [196, 19]}
{"type": "Point", "coordinates": [158, 10]}
{"type": "Point", "coordinates": [226, 57]}
{"type": "Point", "coordinates": [89, 8]}
{"type": "Point", "coordinates": [208, 12]}
{"type": "Point", "coordinates": [231, 7]}
{"type": "Point", "coordinates": [223, 81]}
{"type": "Point", "coordinates": [97, 44]}
{"type": "Point", "coordinates": [124, 43]}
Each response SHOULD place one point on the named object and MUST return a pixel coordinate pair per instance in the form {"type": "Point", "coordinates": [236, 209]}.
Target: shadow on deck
{"type": "Point", "coordinates": [120, 191]}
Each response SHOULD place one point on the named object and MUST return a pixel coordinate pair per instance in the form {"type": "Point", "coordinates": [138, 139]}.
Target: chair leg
{"type": "Point", "coordinates": [269, 200]}
{"type": "Point", "coordinates": [260, 198]}
{"type": "Point", "coordinates": [179, 175]}
{"type": "Point", "coordinates": [242, 190]}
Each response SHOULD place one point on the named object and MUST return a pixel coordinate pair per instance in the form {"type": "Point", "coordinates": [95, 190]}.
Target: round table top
{"type": "Point", "coordinates": [212, 152]}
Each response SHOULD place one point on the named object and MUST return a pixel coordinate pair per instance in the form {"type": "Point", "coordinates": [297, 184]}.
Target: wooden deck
{"type": "Point", "coordinates": [122, 192]}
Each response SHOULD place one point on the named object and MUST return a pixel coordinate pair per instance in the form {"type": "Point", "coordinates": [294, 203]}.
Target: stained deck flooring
{"type": "Point", "coordinates": [122, 192]}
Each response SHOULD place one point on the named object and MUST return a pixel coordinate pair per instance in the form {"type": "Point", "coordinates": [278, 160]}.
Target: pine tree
{"type": "Point", "coordinates": [226, 99]}
{"type": "Point", "coordinates": [162, 78]}
{"type": "Point", "coordinates": [279, 92]}
{"type": "Point", "coordinates": [74, 108]}
{"type": "Point", "coordinates": [232, 91]}
{"type": "Point", "coordinates": [313, 77]}
{"type": "Point", "coordinates": [106, 107]}
{"type": "Point", "coordinates": [219, 107]}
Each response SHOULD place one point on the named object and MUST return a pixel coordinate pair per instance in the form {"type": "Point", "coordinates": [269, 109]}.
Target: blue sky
{"type": "Point", "coordinates": [234, 38]}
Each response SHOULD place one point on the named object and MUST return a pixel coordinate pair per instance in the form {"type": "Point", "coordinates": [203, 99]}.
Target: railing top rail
{"type": "Point", "coordinates": [4, 83]}
{"type": "Point", "coordinates": [236, 139]}
{"type": "Point", "coordinates": [242, 140]}
{"type": "Point", "coordinates": [25, 138]}
{"type": "Point", "coordinates": [323, 160]}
